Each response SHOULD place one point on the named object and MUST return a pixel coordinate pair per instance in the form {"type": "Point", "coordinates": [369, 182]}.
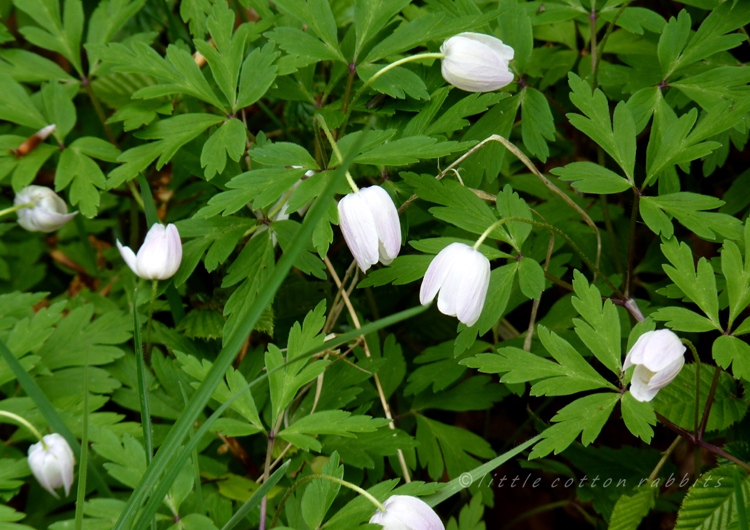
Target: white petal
{"type": "Point", "coordinates": [663, 348]}
{"type": "Point", "coordinates": [503, 51]}
{"type": "Point", "coordinates": [360, 232]}
{"type": "Point", "coordinates": [36, 463]}
{"type": "Point", "coordinates": [438, 270]}
{"type": "Point", "coordinates": [151, 260]}
{"type": "Point", "coordinates": [474, 287]}
{"type": "Point", "coordinates": [128, 255]}
{"type": "Point", "coordinates": [175, 251]}
{"type": "Point", "coordinates": [639, 385]}
{"type": "Point", "coordinates": [403, 512]}
{"type": "Point", "coordinates": [667, 375]}
{"type": "Point", "coordinates": [386, 220]}
{"type": "Point", "coordinates": [473, 66]}
{"type": "Point", "coordinates": [635, 355]}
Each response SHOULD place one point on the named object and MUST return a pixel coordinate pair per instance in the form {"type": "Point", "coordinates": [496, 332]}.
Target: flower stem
{"type": "Point", "coordinates": [664, 458]}
{"type": "Point", "coordinates": [305, 480]}
{"type": "Point", "coordinates": [348, 110]}
{"type": "Point", "coordinates": [322, 122]}
{"type": "Point", "coordinates": [150, 318]}
{"type": "Point", "coordinates": [16, 208]}
{"type": "Point", "coordinates": [25, 423]}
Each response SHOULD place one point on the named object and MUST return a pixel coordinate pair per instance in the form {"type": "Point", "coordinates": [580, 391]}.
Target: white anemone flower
{"type": "Point", "coordinates": [403, 512]}
{"type": "Point", "coordinates": [53, 466]}
{"type": "Point", "coordinates": [160, 255]}
{"type": "Point", "coordinates": [462, 276]}
{"type": "Point", "coordinates": [369, 221]}
{"type": "Point", "coordinates": [476, 62]}
{"type": "Point", "coordinates": [47, 211]}
{"type": "Point", "coordinates": [658, 356]}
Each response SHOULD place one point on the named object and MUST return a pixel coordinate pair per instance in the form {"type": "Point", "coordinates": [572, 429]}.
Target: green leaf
{"type": "Point", "coordinates": [711, 502]}
{"type": "Point", "coordinates": [731, 350]}
{"type": "Point", "coordinates": [452, 119]}
{"type": "Point", "coordinates": [171, 133]}
{"type": "Point", "coordinates": [448, 448]}
{"type": "Point", "coordinates": [371, 17]}
{"type": "Point", "coordinates": [672, 42]}
{"type": "Point", "coordinates": [408, 151]}
{"type": "Point", "coordinates": [228, 140]}
{"type": "Point", "coordinates": [403, 270]}
{"type": "Point", "coordinates": [77, 166]}
{"type": "Point", "coordinates": [530, 278]}
{"type": "Point", "coordinates": [29, 67]}
{"type": "Point", "coordinates": [736, 275]}
{"type": "Point", "coordinates": [258, 74]}
{"type": "Point", "coordinates": [588, 177]}
{"type": "Point", "coordinates": [618, 142]}
{"type": "Point", "coordinates": [537, 125]}
{"type": "Point", "coordinates": [338, 422]}
{"type": "Point", "coordinates": [283, 154]}
{"type": "Point", "coordinates": [320, 494]}
{"type": "Point", "coordinates": [8, 518]}
{"type": "Point", "coordinates": [397, 82]}
{"type": "Point", "coordinates": [631, 509]}
{"type": "Point", "coordinates": [16, 106]}
{"type": "Point", "coordinates": [585, 416]}
{"type": "Point", "coordinates": [700, 285]}
{"type": "Point", "coordinates": [682, 319]}
{"type": "Point", "coordinates": [223, 232]}
{"type": "Point", "coordinates": [639, 417]}
{"type": "Point", "coordinates": [297, 42]}
{"type": "Point", "coordinates": [58, 106]}
{"type": "Point", "coordinates": [318, 14]}
{"type": "Point", "coordinates": [676, 401]}
{"type": "Point", "coordinates": [600, 329]}
{"type": "Point", "coordinates": [568, 375]}
{"type": "Point", "coordinates": [55, 34]}
{"type": "Point", "coordinates": [688, 208]}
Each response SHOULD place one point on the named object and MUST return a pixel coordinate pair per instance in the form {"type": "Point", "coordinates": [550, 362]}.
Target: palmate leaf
{"type": "Point", "coordinates": [335, 422]}
{"type": "Point", "coordinates": [62, 35]}
{"type": "Point", "coordinates": [689, 209]}
{"type": "Point", "coordinates": [448, 448]}
{"type": "Point", "coordinates": [710, 504]}
{"type": "Point", "coordinates": [226, 141]}
{"type": "Point", "coordinates": [537, 125]}
{"type": "Point", "coordinates": [737, 275]}
{"type": "Point", "coordinates": [731, 350]}
{"type": "Point", "coordinates": [568, 375]}
{"type": "Point", "coordinates": [585, 416]}
{"type": "Point", "coordinates": [171, 133]}
{"type": "Point", "coordinates": [16, 106]}
{"type": "Point", "coordinates": [676, 401]}
{"type": "Point", "coordinates": [8, 518]}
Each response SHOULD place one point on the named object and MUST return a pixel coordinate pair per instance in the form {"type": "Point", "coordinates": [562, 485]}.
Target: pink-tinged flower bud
{"type": "Point", "coordinates": [476, 63]}
{"type": "Point", "coordinates": [47, 211]}
{"type": "Point", "coordinates": [160, 255]}
{"type": "Point", "coordinates": [53, 466]}
{"type": "Point", "coordinates": [462, 275]}
{"type": "Point", "coordinates": [369, 222]}
{"type": "Point", "coordinates": [403, 512]}
{"type": "Point", "coordinates": [658, 356]}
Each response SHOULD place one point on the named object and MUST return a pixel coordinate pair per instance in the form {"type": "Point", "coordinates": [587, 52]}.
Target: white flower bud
{"type": "Point", "coordinates": [160, 255]}
{"type": "Point", "coordinates": [403, 512]}
{"type": "Point", "coordinates": [658, 356]}
{"type": "Point", "coordinates": [47, 213]}
{"type": "Point", "coordinates": [369, 222]}
{"type": "Point", "coordinates": [462, 275]}
{"type": "Point", "coordinates": [52, 467]}
{"type": "Point", "coordinates": [476, 63]}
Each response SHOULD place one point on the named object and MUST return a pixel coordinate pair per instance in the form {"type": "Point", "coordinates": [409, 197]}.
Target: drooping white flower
{"type": "Point", "coordinates": [47, 213]}
{"type": "Point", "coordinates": [476, 62]}
{"type": "Point", "coordinates": [369, 222]}
{"type": "Point", "coordinates": [52, 467]}
{"type": "Point", "coordinates": [658, 356]}
{"type": "Point", "coordinates": [160, 255]}
{"type": "Point", "coordinates": [403, 512]}
{"type": "Point", "coordinates": [462, 276]}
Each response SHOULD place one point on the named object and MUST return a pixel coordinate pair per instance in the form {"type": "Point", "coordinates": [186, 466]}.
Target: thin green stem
{"type": "Point", "coordinates": [82, 475]}
{"type": "Point", "coordinates": [562, 234]}
{"type": "Point", "coordinates": [358, 94]}
{"type": "Point", "coordinates": [149, 325]}
{"type": "Point", "coordinates": [631, 245]}
{"type": "Point", "coordinates": [336, 150]}
{"type": "Point", "coordinates": [610, 27]}
{"type": "Point", "coordinates": [348, 90]}
{"type": "Point", "coordinates": [136, 195]}
{"type": "Point", "coordinates": [664, 458]}
{"type": "Point", "coordinates": [305, 480]}
{"type": "Point", "coordinates": [18, 419]}
{"type": "Point", "coordinates": [592, 20]}
{"type": "Point", "coordinates": [16, 208]}
{"type": "Point", "coordinates": [709, 402]}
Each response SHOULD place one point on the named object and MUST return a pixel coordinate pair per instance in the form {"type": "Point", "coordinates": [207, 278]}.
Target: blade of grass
{"type": "Point", "coordinates": [478, 473]}
{"type": "Point", "coordinates": [56, 423]}
{"type": "Point", "coordinates": [83, 464]}
{"type": "Point", "coordinates": [172, 472]}
{"type": "Point", "coordinates": [142, 390]}
{"type": "Point", "coordinates": [196, 465]}
{"type": "Point", "coordinates": [173, 297]}
{"type": "Point", "coordinates": [232, 346]}
{"type": "Point", "coordinates": [253, 501]}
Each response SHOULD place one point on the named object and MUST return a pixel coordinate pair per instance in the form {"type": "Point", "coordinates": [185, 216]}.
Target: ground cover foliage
{"type": "Point", "coordinates": [616, 160]}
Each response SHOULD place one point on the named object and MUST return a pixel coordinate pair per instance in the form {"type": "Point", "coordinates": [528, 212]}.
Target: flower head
{"type": "Point", "coordinates": [53, 466]}
{"type": "Point", "coordinates": [658, 356]}
{"type": "Point", "coordinates": [47, 211]}
{"type": "Point", "coordinates": [403, 512]}
{"type": "Point", "coordinates": [462, 275]}
{"type": "Point", "coordinates": [160, 255]}
{"type": "Point", "coordinates": [369, 222]}
{"type": "Point", "coordinates": [476, 63]}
